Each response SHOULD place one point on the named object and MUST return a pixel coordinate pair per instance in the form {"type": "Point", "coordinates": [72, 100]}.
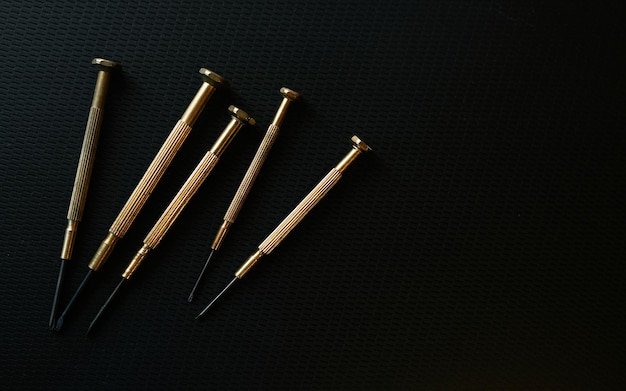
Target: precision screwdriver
{"type": "Point", "coordinates": [153, 174]}
{"type": "Point", "coordinates": [182, 198]}
{"type": "Point", "coordinates": [249, 178]}
{"type": "Point", "coordinates": [83, 171]}
{"type": "Point", "coordinates": [299, 212]}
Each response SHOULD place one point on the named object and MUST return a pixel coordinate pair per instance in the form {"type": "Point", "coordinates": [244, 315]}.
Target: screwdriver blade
{"type": "Point", "coordinates": [216, 297]}
{"type": "Point", "coordinates": [55, 302]}
{"type": "Point", "coordinates": [105, 305]}
{"type": "Point", "coordinates": [190, 298]}
{"type": "Point", "coordinates": [60, 320]}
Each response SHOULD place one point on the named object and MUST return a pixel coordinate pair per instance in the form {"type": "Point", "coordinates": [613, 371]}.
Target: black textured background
{"type": "Point", "coordinates": [481, 246]}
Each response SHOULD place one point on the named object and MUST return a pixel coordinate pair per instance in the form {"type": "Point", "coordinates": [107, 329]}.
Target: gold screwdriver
{"type": "Point", "coordinates": [156, 169]}
{"type": "Point", "coordinates": [249, 178]}
{"type": "Point", "coordinates": [299, 212]}
{"type": "Point", "coordinates": [83, 171]}
{"type": "Point", "coordinates": [182, 198]}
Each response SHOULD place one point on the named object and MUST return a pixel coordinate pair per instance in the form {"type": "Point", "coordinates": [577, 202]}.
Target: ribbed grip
{"type": "Point", "coordinates": [150, 179]}
{"type": "Point", "coordinates": [252, 173]}
{"type": "Point", "coordinates": [304, 207]}
{"type": "Point", "coordinates": [181, 199]}
{"type": "Point", "coordinates": [85, 165]}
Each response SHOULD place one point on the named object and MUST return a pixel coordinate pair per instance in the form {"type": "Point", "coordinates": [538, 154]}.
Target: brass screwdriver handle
{"type": "Point", "coordinates": [148, 182]}
{"type": "Point", "coordinates": [300, 211]}
{"type": "Point", "coordinates": [304, 207]}
{"type": "Point", "coordinates": [190, 187]}
{"type": "Point", "coordinates": [166, 154]}
{"type": "Point", "coordinates": [87, 154]}
{"type": "Point", "coordinates": [255, 166]}
{"type": "Point", "coordinates": [156, 169]}
{"type": "Point", "coordinates": [181, 199]}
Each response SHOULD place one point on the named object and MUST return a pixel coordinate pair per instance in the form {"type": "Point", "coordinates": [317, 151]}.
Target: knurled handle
{"type": "Point", "coordinates": [304, 207]}
{"type": "Point", "coordinates": [181, 199]}
{"type": "Point", "coordinates": [150, 179]}
{"type": "Point", "coordinates": [85, 164]}
{"type": "Point", "coordinates": [252, 173]}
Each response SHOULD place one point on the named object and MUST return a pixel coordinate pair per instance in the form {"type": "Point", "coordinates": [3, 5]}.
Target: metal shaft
{"type": "Point", "coordinates": [105, 305]}
{"type": "Point", "coordinates": [57, 292]}
{"type": "Point", "coordinates": [154, 173]}
{"type": "Point", "coordinates": [298, 213]}
{"type": "Point", "coordinates": [189, 188]}
{"type": "Point", "coordinates": [217, 297]}
{"type": "Point", "coordinates": [195, 286]}
{"type": "Point", "coordinates": [70, 304]}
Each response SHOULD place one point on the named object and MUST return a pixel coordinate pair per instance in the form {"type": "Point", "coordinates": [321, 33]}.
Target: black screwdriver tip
{"type": "Point", "coordinates": [105, 305]}
{"type": "Point", "coordinates": [59, 322]}
{"type": "Point", "coordinates": [193, 291]}
{"type": "Point", "coordinates": [57, 292]}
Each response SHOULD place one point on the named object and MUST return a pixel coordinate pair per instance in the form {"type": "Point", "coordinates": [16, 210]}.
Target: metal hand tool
{"type": "Point", "coordinates": [182, 198]}
{"type": "Point", "coordinates": [136, 201]}
{"type": "Point", "coordinates": [248, 179]}
{"type": "Point", "coordinates": [83, 172]}
{"type": "Point", "coordinates": [301, 210]}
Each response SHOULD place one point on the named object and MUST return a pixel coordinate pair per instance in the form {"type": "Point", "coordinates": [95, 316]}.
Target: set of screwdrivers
{"type": "Point", "coordinates": [211, 82]}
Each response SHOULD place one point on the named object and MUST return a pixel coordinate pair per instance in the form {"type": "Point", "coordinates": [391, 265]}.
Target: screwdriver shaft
{"type": "Point", "coordinates": [55, 301]}
{"type": "Point", "coordinates": [216, 297]}
{"type": "Point", "coordinates": [105, 305]}
{"type": "Point", "coordinates": [59, 322]}
{"type": "Point", "coordinates": [195, 286]}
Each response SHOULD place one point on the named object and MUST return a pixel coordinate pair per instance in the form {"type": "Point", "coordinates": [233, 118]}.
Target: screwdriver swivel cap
{"type": "Point", "coordinates": [106, 65]}
{"type": "Point", "coordinates": [241, 115]}
{"type": "Point", "coordinates": [289, 96]}
{"type": "Point", "coordinates": [213, 78]}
